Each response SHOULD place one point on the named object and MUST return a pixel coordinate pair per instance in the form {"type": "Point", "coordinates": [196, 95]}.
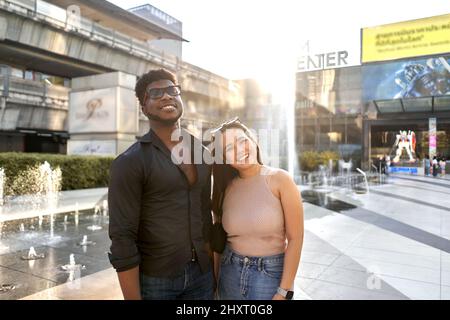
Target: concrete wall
{"type": "Point", "coordinates": [103, 114]}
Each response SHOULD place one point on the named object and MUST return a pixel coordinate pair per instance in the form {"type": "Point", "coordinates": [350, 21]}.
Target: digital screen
{"type": "Point", "coordinates": [407, 79]}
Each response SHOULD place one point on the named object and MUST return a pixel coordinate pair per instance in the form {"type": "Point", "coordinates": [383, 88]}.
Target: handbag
{"type": "Point", "coordinates": [218, 238]}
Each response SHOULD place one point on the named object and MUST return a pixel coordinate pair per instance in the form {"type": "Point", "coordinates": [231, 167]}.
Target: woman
{"type": "Point", "coordinates": [262, 213]}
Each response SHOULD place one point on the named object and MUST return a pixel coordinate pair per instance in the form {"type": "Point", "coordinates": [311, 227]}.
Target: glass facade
{"type": "Point", "coordinates": [359, 111]}
{"type": "Point", "coordinates": [329, 111]}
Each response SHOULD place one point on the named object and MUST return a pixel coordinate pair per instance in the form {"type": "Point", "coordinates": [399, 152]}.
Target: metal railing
{"type": "Point", "coordinates": [60, 18]}
{"type": "Point", "coordinates": [53, 96]}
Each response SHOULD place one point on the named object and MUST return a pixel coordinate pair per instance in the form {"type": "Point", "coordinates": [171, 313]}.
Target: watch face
{"type": "Point", "coordinates": [289, 295]}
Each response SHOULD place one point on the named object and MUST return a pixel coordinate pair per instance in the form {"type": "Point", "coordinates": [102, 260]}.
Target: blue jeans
{"type": "Point", "coordinates": [249, 278]}
{"type": "Point", "coordinates": [190, 284]}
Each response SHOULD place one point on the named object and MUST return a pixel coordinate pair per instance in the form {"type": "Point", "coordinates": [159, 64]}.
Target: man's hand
{"type": "Point", "coordinates": [129, 283]}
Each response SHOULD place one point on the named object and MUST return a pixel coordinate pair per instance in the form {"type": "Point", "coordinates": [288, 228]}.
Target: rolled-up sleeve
{"type": "Point", "coordinates": [206, 208]}
{"type": "Point", "coordinates": [124, 201]}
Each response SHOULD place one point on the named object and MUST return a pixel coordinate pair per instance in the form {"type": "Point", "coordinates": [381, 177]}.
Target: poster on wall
{"type": "Point", "coordinates": [432, 137]}
{"type": "Point", "coordinates": [407, 79]}
{"type": "Point", "coordinates": [93, 111]}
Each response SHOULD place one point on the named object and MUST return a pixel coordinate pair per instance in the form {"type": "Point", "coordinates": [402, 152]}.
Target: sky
{"type": "Point", "coordinates": [261, 38]}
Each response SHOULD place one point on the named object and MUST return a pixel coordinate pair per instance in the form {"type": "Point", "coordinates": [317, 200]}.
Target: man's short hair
{"type": "Point", "coordinates": [149, 77]}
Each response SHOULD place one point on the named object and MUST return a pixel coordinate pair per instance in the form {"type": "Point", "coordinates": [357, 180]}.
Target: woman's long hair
{"type": "Point", "coordinates": [224, 173]}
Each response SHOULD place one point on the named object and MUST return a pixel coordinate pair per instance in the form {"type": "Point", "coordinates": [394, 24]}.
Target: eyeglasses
{"type": "Point", "coordinates": [157, 93]}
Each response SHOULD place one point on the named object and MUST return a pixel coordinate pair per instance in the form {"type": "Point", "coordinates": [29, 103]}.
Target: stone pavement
{"type": "Point", "coordinates": [392, 243]}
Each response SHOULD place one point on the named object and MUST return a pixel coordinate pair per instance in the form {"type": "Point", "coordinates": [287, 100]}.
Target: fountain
{"type": "Point", "coordinates": [29, 215]}
{"type": "Point", "coordinates": [323, 185]}
{"type": "Point", "coordinates": [32, 255]}
{"type": "Point", "coordinates": [94, 226]}
{"type": "Point", "coordinates": [366, 182]}
{"type": "Point", "coordinates": [105, 207]}
{"type": "Point", "coordinates": [2, 184]}
{"type": "Point", "coordinates": [86, 242]}
{"type": "Point", "coordinates": [72, 266]}
{"type": "Point", "coordinates": [32, 192]}
{"type": "Point", "coordinates": [50, 180]}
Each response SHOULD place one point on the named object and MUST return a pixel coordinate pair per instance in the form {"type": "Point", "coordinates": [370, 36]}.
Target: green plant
{"type": "Point", "coordinates": [78, 172]}
{"type": "Point", "coordinates": [310, 160]}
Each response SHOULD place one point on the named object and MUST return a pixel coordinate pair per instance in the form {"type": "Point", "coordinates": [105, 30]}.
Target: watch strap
{"type": "Point", "coordinates": [285, 293]}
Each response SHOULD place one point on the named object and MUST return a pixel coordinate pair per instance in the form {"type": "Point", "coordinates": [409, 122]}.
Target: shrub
{"type": "Point", "coordinates": [78, 172]}
{"type": "Point", "coordinates": [310, 160]}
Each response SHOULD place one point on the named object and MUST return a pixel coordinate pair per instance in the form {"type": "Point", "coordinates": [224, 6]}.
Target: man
{"type": "Point", "coordinates": [160, 211]}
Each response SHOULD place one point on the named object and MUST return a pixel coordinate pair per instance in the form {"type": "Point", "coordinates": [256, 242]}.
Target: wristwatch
{"type": "Point", "coordinates": [288, 295]}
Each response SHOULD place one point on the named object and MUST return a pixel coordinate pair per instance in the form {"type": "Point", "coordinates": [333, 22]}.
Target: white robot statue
{"type": "Point", "coordinates": [405, 141]}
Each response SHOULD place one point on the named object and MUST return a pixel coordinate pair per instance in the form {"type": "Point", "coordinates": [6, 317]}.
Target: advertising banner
{"type": "Point", "coordinates": [414, 38]}
{"type": "Point", "coordinates": [432, 137]}
{"type": "Point", "coordinates": [407, 79]}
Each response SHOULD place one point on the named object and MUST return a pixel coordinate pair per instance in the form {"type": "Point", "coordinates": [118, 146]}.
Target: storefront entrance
{"type": "Point", "coordinates": [384, 138]}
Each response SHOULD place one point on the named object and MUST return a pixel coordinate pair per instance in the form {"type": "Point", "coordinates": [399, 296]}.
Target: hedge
{"type": "Point", "coordinates": [78, 172]}
{"type": "Point", "coordinates": [310, 160]}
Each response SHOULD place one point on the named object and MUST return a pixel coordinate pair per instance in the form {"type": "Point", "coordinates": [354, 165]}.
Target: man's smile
{"type": "Point", "coordinates": [170, 107]}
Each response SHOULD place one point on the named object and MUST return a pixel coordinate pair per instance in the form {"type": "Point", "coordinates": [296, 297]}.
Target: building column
{"type": "Point", "coordinates": [432, 140]}
{"type": "Point", "coordinates": [366, 132]}
{"type": "Point", "coordinates": [103, 114]}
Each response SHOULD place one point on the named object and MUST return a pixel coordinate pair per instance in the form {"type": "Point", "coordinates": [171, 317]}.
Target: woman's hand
{"type": "Point", "coordinates": [278, 296]}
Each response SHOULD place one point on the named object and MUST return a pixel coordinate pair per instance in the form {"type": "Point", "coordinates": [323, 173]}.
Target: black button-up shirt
{"type": "Point", "coordinates": [156, 217]}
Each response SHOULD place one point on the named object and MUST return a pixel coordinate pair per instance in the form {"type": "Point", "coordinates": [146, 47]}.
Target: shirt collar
{"type": "Point", "coordinates": [151, 136]}
{"type": "Point", "coordinates": [147, 138]}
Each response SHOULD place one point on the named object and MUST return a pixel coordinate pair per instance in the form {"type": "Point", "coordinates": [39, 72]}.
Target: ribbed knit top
{"type": "Point", "coordinates": [253, 216]}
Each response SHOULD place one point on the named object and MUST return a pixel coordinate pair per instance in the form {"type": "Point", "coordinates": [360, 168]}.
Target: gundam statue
{"type": "Point", "coordinates": [405, 141]}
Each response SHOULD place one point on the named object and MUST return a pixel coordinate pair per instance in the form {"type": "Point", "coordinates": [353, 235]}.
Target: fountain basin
{"type": "Point", "coordinates": [67, 201]}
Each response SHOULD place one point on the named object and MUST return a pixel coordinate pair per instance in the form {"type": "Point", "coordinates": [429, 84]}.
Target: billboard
{"type": "Point", "coordinates": [414, 38]}
{"type": "Point", "coordinates": [407, 79]}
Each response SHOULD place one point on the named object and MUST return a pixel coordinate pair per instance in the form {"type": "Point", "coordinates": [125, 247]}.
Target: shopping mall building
{"type": "Point", "coordinates": [68, 71]}
{"type": "Point", "coordinates": [400, 83]}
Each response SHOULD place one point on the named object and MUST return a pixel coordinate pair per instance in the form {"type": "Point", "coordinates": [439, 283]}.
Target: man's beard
{"type": "Point", "coordinates": [165, 122]}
